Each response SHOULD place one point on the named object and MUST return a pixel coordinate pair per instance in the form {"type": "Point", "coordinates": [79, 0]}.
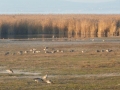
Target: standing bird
{"type": "Point", "coordinates": [43, 79]}
{"type": "Point", "coordinates": [10, 71]}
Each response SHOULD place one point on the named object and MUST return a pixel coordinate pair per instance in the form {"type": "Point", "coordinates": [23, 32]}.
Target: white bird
{"type": "Point", "coordinates": [107, 50]}
{"type": "Point", "coordinates": [45, 77]}
{"type": "Point", "coordinates": [37, 51]}
{"type": "Point", "coordinates": [30, 50]}
{"type": "Point", "coordinates": [10, 71]}
{"type": "Point", "coordinates": [61, 51]}
{"type": "Point", "coordinates": [25, 52]}
{"type": "Point", "coordinates": [82, 51]}
{"type": "Point", "coordinates": [58, 50]}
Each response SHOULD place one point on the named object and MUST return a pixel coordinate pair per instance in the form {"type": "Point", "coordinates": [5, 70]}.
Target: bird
{"type": "Point", "coordinates": [38, 79]}
{"type": "Point", "coordinates": [10, 71]}
{"type": "Point", "coordinates": [82, 51]}
{"type": "Point", "coordinates": [62, 51]}
{"type": "Point", "coordinates": [45, 49]}
{"type": "Point", "coordinates": [93, 39]}
{"type": "Point", "coordinates": [48, 81]}
{"type": "Point", "coordinates": [58, 51]}
{"type": "Point", "coordinates": [7, 53]}
{"type": "Point", "coordinates": [97, 50]}
{"type": "Point", "coordinates": [43, 79]}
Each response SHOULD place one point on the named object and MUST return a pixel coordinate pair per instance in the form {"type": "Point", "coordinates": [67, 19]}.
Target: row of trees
{"type": "Point", "coordinates": [75, 26]}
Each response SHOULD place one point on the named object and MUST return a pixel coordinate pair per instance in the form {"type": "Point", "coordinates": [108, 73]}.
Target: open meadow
{"type": "Point", "coordinates": [78, 64]}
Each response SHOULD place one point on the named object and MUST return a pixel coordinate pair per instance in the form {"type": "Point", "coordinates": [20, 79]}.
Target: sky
{"type": "Point", "coordinates": [59, 6]}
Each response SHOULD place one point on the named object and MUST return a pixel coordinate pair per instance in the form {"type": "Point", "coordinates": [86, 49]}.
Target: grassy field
{"type": "Point", "coordinates": [75, 70]}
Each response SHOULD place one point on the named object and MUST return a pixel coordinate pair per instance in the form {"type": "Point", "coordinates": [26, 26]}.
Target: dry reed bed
{"type": "Point", "coordinates": [71, 25]}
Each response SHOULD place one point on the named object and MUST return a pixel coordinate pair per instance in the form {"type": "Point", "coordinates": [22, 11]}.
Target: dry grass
{"type": "Point", "coordinates": [60, 25]}
{"type": "Point", "coordinates": [68, 83]}
{"type": "Point", "coordinates": [72, 70]}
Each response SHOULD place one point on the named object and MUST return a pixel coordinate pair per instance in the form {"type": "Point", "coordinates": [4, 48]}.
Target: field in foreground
{"type": "Point", "coordinates": [68, 70]}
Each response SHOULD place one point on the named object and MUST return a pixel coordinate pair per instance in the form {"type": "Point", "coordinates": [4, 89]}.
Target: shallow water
{"type": "Point", "coordinates": [60, 41]}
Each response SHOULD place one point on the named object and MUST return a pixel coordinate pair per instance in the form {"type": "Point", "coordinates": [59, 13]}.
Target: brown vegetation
{"type": "Point", "coordinates": [90, 70]}
{"type": "Point", "coordinates": [77, 25]}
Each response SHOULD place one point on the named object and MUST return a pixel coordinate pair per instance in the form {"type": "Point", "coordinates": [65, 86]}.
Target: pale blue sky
{"type": "Point", "coordinates": [59, 6]}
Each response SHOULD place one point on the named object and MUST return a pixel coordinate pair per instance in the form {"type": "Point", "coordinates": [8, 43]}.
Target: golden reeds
{"type": "Point", "coordinates": [68, 25]}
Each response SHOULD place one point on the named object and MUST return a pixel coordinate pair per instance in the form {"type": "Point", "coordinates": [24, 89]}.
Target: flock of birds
{"type": "Point", "coordinates": [45, 78]}
{"type": "Point", "coordinates": [46, 50]}
{"type": "Point", "coordinates": [33, 50]}
{"type": "Point", "coordinates": [42, 79]}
